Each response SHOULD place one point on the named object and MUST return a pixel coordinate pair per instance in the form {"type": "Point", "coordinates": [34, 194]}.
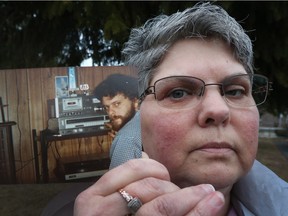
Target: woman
{"type": "Point", "coordinates": [199, 123]}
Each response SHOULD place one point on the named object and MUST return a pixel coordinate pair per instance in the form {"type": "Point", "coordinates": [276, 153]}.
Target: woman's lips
{"type": "Point", "coordinates": [216, 148]}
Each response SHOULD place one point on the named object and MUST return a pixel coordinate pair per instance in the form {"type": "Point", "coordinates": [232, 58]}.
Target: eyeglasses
{"type": "Point", "coordinates": [179, 92]}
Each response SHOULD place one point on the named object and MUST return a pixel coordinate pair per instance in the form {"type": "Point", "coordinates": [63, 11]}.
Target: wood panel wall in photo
{"type": "Point", "coordinates": [26, 92]}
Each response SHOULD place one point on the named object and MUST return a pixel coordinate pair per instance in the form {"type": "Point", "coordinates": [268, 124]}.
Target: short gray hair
{"type": "Point", "coordinates": [147, 45]}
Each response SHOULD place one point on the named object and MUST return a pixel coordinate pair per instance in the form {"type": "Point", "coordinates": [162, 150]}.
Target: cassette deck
{"type": "Point", "coordinates": [82, 113]}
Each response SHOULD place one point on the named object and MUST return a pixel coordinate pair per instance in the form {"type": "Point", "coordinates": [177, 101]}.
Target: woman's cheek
{"type": "Point", "coordinates": [248, 129]}
{"type": "Point", "coordinates": [164, 137]}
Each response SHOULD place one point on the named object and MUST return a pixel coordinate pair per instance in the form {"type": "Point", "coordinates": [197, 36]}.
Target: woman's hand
{"type": "Point", "coordinates": [150, 182]}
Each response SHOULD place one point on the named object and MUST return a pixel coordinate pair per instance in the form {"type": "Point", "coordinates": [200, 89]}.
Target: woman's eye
{"type": "Point", "coordinates": [177, 94]}
{"type": "Point", "coordinates": [235, 91]}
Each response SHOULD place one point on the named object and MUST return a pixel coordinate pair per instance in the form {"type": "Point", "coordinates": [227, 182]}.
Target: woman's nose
{"type": "Point", "coordinates": [214, 109]}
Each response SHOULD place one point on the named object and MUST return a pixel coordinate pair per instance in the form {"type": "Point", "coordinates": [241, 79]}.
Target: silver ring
{"type": "Point", "coordinates": [133, 203]}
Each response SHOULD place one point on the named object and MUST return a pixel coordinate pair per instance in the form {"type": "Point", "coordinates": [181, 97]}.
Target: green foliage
{"type": "Point", "coordinates": [64, 33]}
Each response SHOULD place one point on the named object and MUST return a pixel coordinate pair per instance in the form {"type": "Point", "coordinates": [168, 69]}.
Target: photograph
{"type": "Point", "coordinates": [61, 86]}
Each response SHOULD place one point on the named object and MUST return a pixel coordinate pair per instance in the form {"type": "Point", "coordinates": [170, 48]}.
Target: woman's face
{"type": "Point", "coordinates": [211, 142]}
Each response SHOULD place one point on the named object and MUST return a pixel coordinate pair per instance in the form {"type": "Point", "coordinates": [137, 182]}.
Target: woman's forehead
{"type": "Point", "coordinates": [199, 58]}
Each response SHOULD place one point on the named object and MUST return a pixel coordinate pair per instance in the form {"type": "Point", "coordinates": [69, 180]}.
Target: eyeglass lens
{"type": "Point", "coordinates": [243, 90]}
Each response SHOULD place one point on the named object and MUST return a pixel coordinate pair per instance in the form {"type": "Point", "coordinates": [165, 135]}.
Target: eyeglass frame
{"type": "Point", "coordinates": [152, 90]}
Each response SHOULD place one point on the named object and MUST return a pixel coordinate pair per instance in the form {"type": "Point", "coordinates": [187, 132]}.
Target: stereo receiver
{"type": "Point", "coordinates": [82, 124]}
{"type": "Point", "coordinates": [82, 113]}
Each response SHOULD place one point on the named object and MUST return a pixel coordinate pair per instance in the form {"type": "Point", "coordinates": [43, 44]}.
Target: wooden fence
{"type": "Point", "coordinates": [26, 92]}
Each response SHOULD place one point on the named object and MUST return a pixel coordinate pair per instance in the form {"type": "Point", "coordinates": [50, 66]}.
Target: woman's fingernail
{"type": "Point", "coordinates": [208, 188]}
{"type": "Point", "coordinates": [144, 155]}
{"type": "Point", "coordinates": [217, 200]}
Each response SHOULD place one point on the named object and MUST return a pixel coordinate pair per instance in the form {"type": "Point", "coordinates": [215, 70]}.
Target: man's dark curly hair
{"type": "Point", "coordinates": [117, 84]}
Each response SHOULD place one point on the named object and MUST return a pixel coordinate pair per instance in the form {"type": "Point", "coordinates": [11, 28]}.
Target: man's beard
{"type": "Point", "coordinates": [124, 119]}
